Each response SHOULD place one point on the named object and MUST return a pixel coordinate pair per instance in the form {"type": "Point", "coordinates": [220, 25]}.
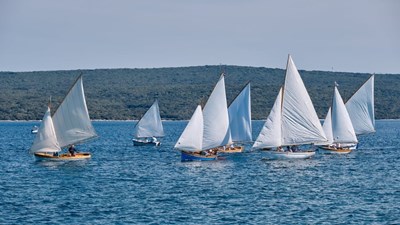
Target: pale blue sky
{"type": "Point", "coordinates": [343, 35]}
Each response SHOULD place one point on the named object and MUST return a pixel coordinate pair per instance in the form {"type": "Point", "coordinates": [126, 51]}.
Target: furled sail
{"type": "Point", "coordinates": [361, 108]}
{"type": "Point", "coordinates": [216, 119]}
{"type": "Point", "coordinates": [150, 124]}
{"type": "Point", "coordinates": [46, 139]}
{"type": "Point", "coordinates": [300, 123]}
{"type": "Point", "coordinates": [240, 116]}
{"type": "Point", "coordinates": [192, 137]}
{"type": "Point", "coordinates": [342, 128]}
{"type": "Point", "coordinates": [71, 120]}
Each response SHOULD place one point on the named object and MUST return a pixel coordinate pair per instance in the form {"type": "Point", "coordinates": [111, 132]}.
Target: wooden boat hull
{"type": "Point", "coordinates": [141, 143]}
{"type": "Point", "coordinates": [290, 155]}
{"type": "Point", "coordinates": [344, 146]}
{"type": "Point", "coordinates": [62, 157]}
{"type": "Point", "coordinates": [188, 156]}
{"type": "Point", "coordinates": [235, 149]}
{"type": "Point", "coordinates": [329, 150]}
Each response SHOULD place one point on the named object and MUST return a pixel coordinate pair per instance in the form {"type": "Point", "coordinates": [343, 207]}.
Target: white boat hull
{"type": "Point", "coordinates": [289, 155]}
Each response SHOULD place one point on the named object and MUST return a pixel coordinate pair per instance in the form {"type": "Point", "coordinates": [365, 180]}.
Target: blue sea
{"type": "Point", "coordinates": [123, 184]}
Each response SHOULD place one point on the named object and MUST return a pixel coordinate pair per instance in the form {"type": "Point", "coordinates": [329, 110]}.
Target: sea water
{"type": "Point", "coordinates": [123, 184]}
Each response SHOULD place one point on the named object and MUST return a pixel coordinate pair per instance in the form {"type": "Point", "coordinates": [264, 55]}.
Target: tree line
{"type": "Point", "coordinates": [121, 94]}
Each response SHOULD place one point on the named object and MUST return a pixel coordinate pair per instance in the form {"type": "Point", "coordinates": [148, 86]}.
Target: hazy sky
{"type": "Point", "coordinates": [338, 35]}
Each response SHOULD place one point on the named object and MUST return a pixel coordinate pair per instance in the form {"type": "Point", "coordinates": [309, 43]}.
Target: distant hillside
{"type": "Point", "coordinates": [119, 94]}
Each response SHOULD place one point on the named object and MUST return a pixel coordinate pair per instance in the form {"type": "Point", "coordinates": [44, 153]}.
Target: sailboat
{"type": "Point", "coordinates": [292, 121]}
{"type": "Point", "coordinates": [360, 107]}
{"type": "Point", "coordinates": [338, 127]}
{"type": "Point", "coordinates": [149, 127]}
{"type": "Point", "coordinates": [208, 129]}
{"type": "Point", "coordinates": [69, 125]}
{"type": "Point", "coordinates": [240, 121]}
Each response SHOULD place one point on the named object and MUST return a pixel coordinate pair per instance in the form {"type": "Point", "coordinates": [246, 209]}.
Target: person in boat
{"type": "Point", "coordinates": [72, 150]}
{"type": "Point", "coordinates": [294, 148]}
{"type": "Point", "coordinates": [55, 154]}
{"type": "Point", "coordinates": [279, 149]}
{"type": "Point", "coordinates": [288, 149]}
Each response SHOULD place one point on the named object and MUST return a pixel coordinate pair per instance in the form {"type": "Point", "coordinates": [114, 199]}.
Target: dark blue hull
{"type": "Point", "coordinates": [185, 157]}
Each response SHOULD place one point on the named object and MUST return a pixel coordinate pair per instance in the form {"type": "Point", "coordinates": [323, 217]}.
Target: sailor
{"type": "Point", "coordinates": [71, 150]}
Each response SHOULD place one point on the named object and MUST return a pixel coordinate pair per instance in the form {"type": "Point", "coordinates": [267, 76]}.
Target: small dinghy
{"type": "Point", "coordinates": [149, 127]}
{"type": "Point", "coordinates": [34, 130]}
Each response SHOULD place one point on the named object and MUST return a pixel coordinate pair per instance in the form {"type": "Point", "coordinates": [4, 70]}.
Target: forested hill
{"type": "Point", "coordinates": [119, 94]}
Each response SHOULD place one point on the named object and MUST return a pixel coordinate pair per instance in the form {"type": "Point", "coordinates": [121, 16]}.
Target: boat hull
{"type": "Point", "coordinates": [62, 157]}
{"type": "Point", "coordinates": [290, 155]}
{"type": "Point", "coordinates": [142, 143]}
{"type": "Point", "coordinates": [329, 150]}
{"type": "Point", "coordinates": [235, 149]}
{"type": "Point", "coordinates": [188, 156]}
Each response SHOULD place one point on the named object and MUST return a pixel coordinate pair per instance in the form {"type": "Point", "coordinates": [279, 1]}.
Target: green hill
{"type": "Point", "coordinates": [118, 94]}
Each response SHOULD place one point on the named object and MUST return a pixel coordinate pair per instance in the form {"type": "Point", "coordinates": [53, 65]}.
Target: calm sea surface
{"type": "Point", "coordinates": [149, 185]}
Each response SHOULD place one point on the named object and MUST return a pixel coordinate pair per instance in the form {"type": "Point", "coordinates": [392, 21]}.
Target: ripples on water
{"type": "Point", "coordinates": [149, 185]}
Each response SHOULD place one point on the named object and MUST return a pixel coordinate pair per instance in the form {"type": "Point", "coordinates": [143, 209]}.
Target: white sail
{"type": "Point", "coordinates": [342, 128]}
{"type": "Point", "coordinates": [192, 137]}
{"type": "Point", "coordinates": [150, 124]}
{"type": "Point", "coordinates": [71, 120]}
{"type": "Point", "coordinates": [361, 108]}
{"type": "Point", "coordinates": [327, 127]}
{"type": "Point", "coordinates": [216, 118]}
{"type": "Point", "coordinates": [46, 139]}
{"type": "Point", "coordinates": [300, 123]}
{"type": "Point", "coordinates": [240, 116]}
{"type": "Point", "coordinates": [271, 134]}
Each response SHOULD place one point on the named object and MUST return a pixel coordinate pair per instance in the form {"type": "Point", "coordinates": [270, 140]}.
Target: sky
{"type": "Point", "coordinates": [329, 35]}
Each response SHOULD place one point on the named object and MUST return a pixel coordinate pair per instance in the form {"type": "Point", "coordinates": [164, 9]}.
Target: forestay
{"type": "Point", "coordinates": [46, 139]}
{"type": "Point", "coordinates": [150, 125]}
{"type": "Point", "coordinates": [240, 116]}
{"type": "Point", "coordinates": [71, 120]}
{"type": "Point", "coordinates": [361, 108]}
{"type": "Point", "coordinates": [192, 137]}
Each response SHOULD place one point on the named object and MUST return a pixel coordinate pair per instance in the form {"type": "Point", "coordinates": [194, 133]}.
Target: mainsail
{"type": "Point", "coordinates": [361, 108]}
{"type": "Point", "coordinates": [46, 139]}
{"type": "Point", "coordinates": [240, 116]}
{"type": "Point", "coordinates": [150, 124]}
{"type": "Point", "coordinates": [71, 120]}
{"type": "Point", "coordinates": [296, 122]}
{"type": "Point", "coordinates": [216, 119]}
